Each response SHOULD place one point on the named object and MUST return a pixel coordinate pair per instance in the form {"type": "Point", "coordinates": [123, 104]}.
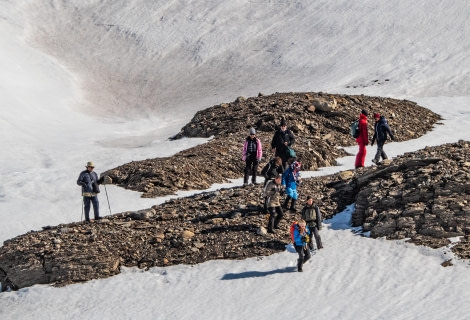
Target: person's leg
{"type": "Point", "coordinates": [272, 215]}
{"type": "Point", "coordinates": [307, 254]}
{"type": "Point", "coordinates": [316, 234]}
{"type": "Point", "coordinates": [279, 216]}
{"type": "Point", "coordinates": [86, 205]}
{"type": "Point", "coordinates": [247, 171]}
{"type": "Point", "coordinates": [294, 200]}
{"type": "Point", "coordinates": [357, 164]}
{"type": "Point", "coordinates": [300, 260]}
{"type": "Point", "coordinates": [362, 152]}
{"type": "Point", "coordinates": [254, 171]}
{"type": "Point", "coordinates": [380, 144]}
{"type": "Point", "coordinates": [96, 207]}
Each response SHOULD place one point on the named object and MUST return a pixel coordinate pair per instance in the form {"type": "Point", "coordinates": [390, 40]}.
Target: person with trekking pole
{"type": "Point", "coordinates": [88, 180]}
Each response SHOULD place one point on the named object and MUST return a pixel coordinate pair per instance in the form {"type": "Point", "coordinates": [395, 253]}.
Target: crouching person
{"type": "Point", "coordinates": [301, 240]}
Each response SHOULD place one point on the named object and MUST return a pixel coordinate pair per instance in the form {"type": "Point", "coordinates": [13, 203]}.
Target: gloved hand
{"type": "Point", "coordinates": [371, 144]}
{"type": "Point", "coordinates": [394, 138]}
{"type": "Point", "coordinates": [282, 192]}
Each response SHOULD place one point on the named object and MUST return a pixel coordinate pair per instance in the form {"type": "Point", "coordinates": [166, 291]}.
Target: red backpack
{"type": "Point", "coordinates": [292, 229]}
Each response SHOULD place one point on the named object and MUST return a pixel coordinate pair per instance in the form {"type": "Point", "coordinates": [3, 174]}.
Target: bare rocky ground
{"type": "Point", "coordinates": [228, 223]}
{"type": "Point", "coordinates": [319, 121]}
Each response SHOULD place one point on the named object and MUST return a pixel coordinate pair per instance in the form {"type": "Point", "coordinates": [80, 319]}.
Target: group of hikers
{"type": "Point", "coordinates": [381, 131]}
{"type": "Point", "coordinates": [282, 177]}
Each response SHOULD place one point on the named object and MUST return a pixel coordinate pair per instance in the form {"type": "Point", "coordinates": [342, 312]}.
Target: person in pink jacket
{"type": "Point", "coordinates": [251, 154]}
{"type": "Point", "coordinates": [362, 140]}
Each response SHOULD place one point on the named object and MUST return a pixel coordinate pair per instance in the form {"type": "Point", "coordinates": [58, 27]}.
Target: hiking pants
{"type": "Point", "coordinates": [304, 255]}
{"type": "Point", "coordinates": [316, 235]}
{"type": "Point", "coordinates": [96, 205]}
{"type": "Point", "coordinates": [251, 167]}
{"type": "Point", "coordinates": [380, 150]}
{"type": "Point", "coordinates": [275, 216]}
{"type": "Point", "coordinates": [361, 156]}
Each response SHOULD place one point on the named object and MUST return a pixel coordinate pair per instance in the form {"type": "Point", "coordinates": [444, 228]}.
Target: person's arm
{"type": "Point", "coordinates": [291, 138]}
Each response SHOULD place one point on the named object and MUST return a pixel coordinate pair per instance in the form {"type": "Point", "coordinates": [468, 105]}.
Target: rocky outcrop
{"type": "Point", "coordinates": [225, 224]}
{"type": "Point", "coordinates": [423, 196]}
{"type": "Point", "coordinates": [319, 121]}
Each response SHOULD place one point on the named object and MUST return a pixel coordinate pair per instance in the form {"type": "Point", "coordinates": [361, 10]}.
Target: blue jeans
{"type": "Point", "coordinates": [96, 206]}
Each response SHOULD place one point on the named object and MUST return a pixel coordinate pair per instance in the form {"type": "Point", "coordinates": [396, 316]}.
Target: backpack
{"type": "Point", "coordinates": [354, 128]}
{"type": "Point", "coordinates": [267, 168]}
{"type": "Point", "coordinates": [292, 229]}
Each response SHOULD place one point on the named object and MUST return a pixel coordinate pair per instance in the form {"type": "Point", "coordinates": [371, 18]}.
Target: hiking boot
{"type": "Point", "coordinates": [299, 269]}
{"type": "Point", "coordinates": [245, 184]}
{"type": "Point", "coordinates": [292, 206]}
{"type": "Point", "coordinates": [375, 161]}
{"type": "Point", "coordinates": [286, 203]}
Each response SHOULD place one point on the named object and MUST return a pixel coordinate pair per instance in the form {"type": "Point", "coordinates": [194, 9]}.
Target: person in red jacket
{"type": "Point", "coordinates": [362, 140]}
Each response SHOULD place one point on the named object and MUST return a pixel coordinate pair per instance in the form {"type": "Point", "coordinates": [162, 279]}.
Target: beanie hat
{"type": "Point", "coordinates": [309, 197]}
{"type": "Point", "coordinates": [376, 115]}
{"type": "Point", "coordinates": [283, 123]}
{"type": "Point", "coordinates": [252, 131]}
{"type": "Point", "coordinates": [364, 112]}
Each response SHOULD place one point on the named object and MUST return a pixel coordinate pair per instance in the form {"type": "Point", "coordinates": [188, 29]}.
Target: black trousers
{"type": "Point", "coordinates": [275, 216]}
{"type": "Point", "coordinates": [380, 150]}
{"type": "Point", "coordinates": [251, 168]}
{"type": "Point", "coordinates": [304, 255]}
{"type": "Point", "coordinates": [316, 235]}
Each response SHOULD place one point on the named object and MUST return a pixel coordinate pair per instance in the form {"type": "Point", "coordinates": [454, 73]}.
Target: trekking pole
{"type": "Point", "coordinates": [109, 206]}
{"type": "Point", "coordinates": [83, 203]}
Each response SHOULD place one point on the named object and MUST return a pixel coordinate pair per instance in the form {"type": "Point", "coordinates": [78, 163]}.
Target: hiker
{"type": "Point", "coordinates": [301, 239]}
{"type": "Point", "coordinates": [270, 170]}
{"type": "Point", "coordinates": [252, 153]}
{"type": "Point", "coordinates": [282, 140]}
{"type": "Point", "coordinates": [381, 128]}
{"type": "Point", "coordinates": [362, 140]}
{"type": "Point", "coordinates": [312, 215]}
{"type": "Point", "coordinates": [89, 181]}
{"type": "Point", "coordinates": [273, 192]}
{"type": "Point", "coordinates": [290, 179]}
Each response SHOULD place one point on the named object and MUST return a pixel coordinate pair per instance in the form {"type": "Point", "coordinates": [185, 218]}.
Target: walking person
{"type": "Point", "coordinates": [282, 140]}
{"type": "Point", "coordinates": [301, 239]}
{"type": "Point", "coordinates": [270, 170]}
{"type": "Point", "coordinates": [88, 180]}
{"type": "Point", "coordinates": [381, 129]}
{"type": "Point", "coordinates": [362, 140]}
{"type": "Point", "coordinates": [312, 215]}
{"type": "Point", "coordinates": [252, 153]}
{"type": "Point", "coordinates": [273, 192]}
{"type": "Point", "coordinates": [290, 179]}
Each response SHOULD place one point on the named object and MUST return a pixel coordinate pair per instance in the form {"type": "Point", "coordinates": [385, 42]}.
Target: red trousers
{"type": "Point", "coordinates": [361, 155]}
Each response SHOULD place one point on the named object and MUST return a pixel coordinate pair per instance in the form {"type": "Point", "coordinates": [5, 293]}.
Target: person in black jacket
{"type": "Point", "coordinates": [381, 128]}
{"type": "Point", "coordinates": [88, 180]}
{"type": "Point", "coordinates": [282, 139]}
{"type": "Point", "coordinates": [312, 215]}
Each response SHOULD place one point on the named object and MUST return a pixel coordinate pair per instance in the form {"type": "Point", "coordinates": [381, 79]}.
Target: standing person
{"type": "Point", "coordinates": [381, 128]}
{"type": "Point", "coordinates": [88, 179]}
{"type": "Point", "coordinates": [301, 239]}
{"type": "Point", "coordinates": [252, 153]}
{"type": "Point", "coordinates": [312, 215]}
{"type": "Point", "coordinates": [290, 179]}
{"type": "Point", "coordinates": [362, 140]}
{"type": "Point", "coordinates": [270, 170]}
{"type": "Point", "coordinates": [272, 192]}
{"type": "Point", "coordinates": [282, 139]}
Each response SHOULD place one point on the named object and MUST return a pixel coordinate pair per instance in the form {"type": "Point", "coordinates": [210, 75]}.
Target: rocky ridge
{"type": "Point", "coordinates": [319, 121]}
{"type": "Point", "coordinates": [225, 224]}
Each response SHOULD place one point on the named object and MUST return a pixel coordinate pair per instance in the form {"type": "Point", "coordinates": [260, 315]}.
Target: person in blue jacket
{"type": "Point", "coordinates": [301, 239]}
{"type": "Point", "coordinates": [88, 180]}
{"type": "Point", "coordinates": [290, 179]}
